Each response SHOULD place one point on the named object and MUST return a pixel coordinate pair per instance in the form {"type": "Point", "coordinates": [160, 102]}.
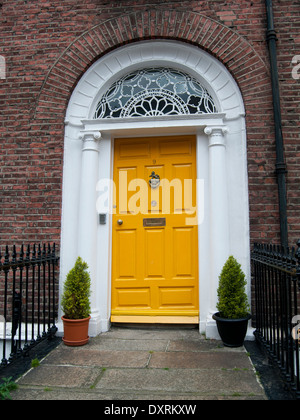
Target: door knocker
{"type": "Point", "coordinates": [154, 182]}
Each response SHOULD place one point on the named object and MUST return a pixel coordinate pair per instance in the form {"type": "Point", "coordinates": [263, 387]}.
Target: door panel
{"type": "Point", "coordinates": [181, 296]}
{"type": "Point", "coordinates": [155, 253]}
{"type": "Point", "coordinates": [183, 240]}
{"type": "Point", "coordinates": [133, 297]}
{"type": "Point", "coordinates": [127, 252]}
{"type": "Point", "coordinates": [155, 261]}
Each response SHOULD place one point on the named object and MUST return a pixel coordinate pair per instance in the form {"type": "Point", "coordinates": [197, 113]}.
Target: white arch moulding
{"type": "Point", "coordinates": [221, 169]}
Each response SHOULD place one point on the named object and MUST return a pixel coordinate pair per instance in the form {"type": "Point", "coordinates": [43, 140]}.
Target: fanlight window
{"type": "Point", "coordinates": [155, 92]}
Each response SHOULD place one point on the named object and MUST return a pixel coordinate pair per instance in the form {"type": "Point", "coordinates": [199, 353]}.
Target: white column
{"type": "Point", "coordinates": [219, 220]}
{"type": "Point", "coordinates": [88, 218]}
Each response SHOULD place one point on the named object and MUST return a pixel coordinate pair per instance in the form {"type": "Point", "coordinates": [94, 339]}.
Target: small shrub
{"type": "Point", "coordinates": [233, 300]}
{"type": "Point", "coordinates": [75, 300]}
{"type": "Point", "coordinates": [35, 363]}
{"type": "Point", "coordinates": [5, 388]}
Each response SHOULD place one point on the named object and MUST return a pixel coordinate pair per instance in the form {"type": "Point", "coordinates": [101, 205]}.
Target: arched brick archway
{"type": "Point", "coordinates": [234, 51]}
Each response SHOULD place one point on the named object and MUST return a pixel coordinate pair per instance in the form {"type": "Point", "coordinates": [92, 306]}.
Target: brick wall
{"type": "Point", "coordinates": [48, 45]}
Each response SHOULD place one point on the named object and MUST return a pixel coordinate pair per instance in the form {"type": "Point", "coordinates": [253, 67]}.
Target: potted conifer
{"type": "Point", "coordinates": [233, 316]}
{"type": "Point", "coordinates": [76, 305]}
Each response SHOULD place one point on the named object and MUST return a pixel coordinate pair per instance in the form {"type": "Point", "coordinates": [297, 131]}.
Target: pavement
{"type": "Point", "coordinates": [143, 364]}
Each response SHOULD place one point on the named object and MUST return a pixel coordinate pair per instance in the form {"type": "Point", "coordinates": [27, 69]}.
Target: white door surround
{"type": "Point", "coordinates": [221, 167]}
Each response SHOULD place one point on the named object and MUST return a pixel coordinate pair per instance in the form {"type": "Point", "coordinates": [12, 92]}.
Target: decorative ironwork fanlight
{"type": "Point", "coordinates": [155, 92]}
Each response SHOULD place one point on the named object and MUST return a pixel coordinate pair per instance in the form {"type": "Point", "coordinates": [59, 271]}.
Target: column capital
{"type": "Point", "coordinates": [216, 135]}
{"type": "Point", "coordinates": [90, 140]}
{"type": "Point", "coordinates": [216, 130]}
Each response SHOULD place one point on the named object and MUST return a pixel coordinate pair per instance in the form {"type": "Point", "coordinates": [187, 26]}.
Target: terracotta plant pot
{"type": "Point", "coordinates": [76, 331]}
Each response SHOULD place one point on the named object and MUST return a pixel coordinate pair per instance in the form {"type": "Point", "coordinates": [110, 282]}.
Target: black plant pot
{"type": "Point", "coordinates": [232, 331]}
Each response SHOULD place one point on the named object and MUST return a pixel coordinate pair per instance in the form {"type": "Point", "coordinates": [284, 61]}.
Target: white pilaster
{"type": "Point", "coordinates": [88, 220]}
{"type": "Point", "coordinates": [219, 217]}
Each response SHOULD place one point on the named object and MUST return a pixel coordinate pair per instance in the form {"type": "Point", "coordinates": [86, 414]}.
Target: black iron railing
{"type": "Point", "coordinates": [28, 299]}
{"type": "Point", "coordinates": [276, 277]}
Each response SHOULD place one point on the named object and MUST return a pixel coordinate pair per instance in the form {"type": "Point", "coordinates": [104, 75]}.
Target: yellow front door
{"type": "Point", "coordinates": [155, 234]}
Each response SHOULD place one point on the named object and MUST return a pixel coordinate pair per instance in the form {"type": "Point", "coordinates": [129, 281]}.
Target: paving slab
{"type": "Point", "coordinates": [52, 394]}
{"type": "Point", "coordinates": [100, 358]}
{"type": "Point", "coordinates": [61, 376]}
{"type": "Point", "coordinates": [192, 360]}
{"type": "Point", "coordinates": [193, 345]}
{"type": "Point", "coordinates": [188, 381]}
{"type": "Point", "coordinates": [153, 333]}
{"type": "Point", "coordinates": [104, 343]}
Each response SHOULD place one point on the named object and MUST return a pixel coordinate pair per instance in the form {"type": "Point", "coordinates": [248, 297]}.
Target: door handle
{"type": "Point", "coordinates": [120, 222]}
